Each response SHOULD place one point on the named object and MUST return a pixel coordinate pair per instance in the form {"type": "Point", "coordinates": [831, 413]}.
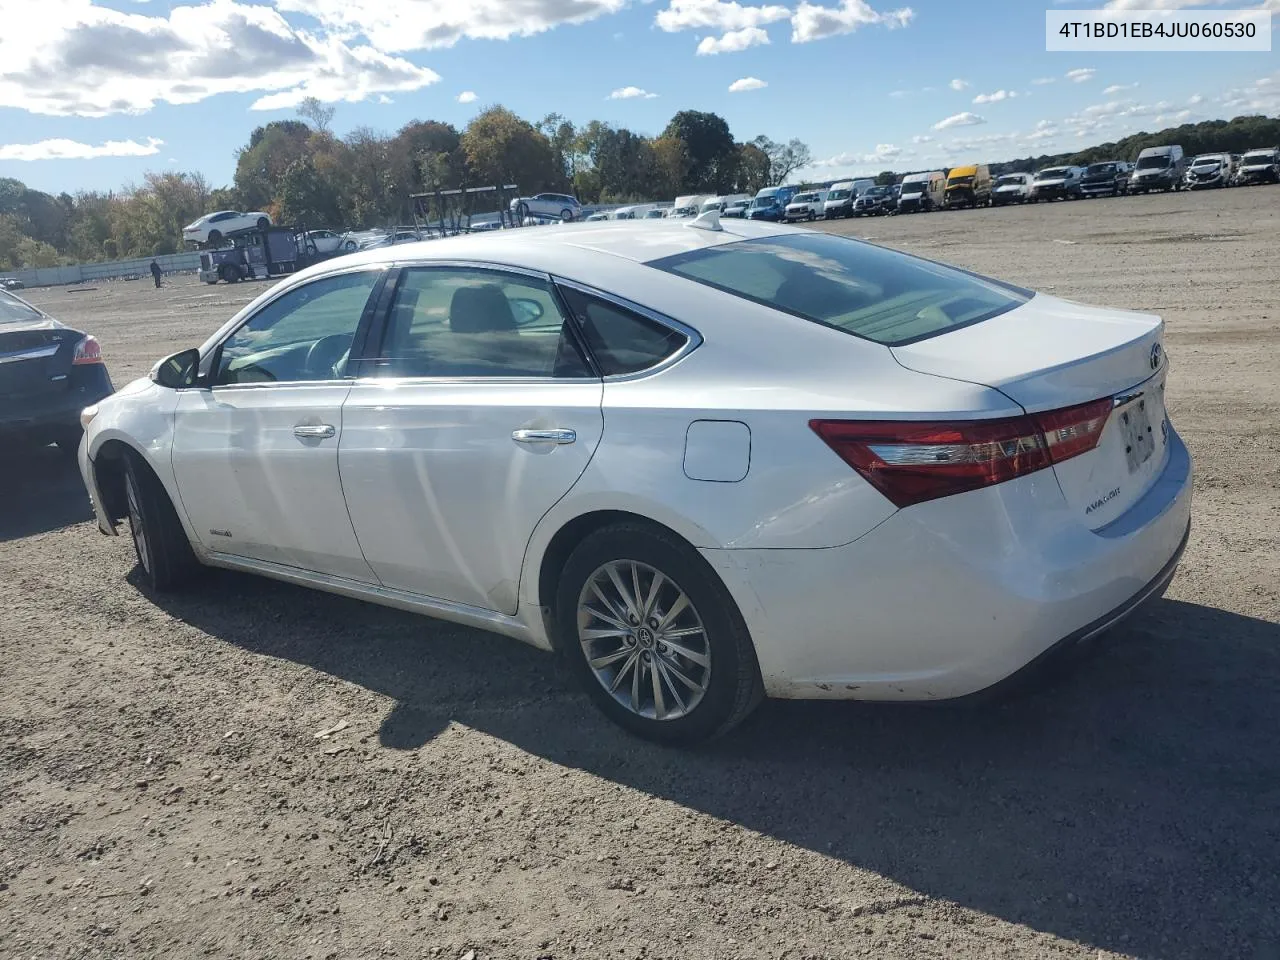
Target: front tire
{"type": "Point", "coordinates": [164, 553]}
{"type": "Point", "coordinates": [263, 223]}
{"type": "Point", "coordinates": [654, 636]}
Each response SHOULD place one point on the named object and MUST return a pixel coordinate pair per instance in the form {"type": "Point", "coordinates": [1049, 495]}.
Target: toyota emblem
{"type": "Point", "coordinates": [1155, 356]}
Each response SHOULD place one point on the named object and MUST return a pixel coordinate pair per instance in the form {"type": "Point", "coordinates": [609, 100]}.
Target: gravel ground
{"type": "Point", "coordinates": [164, 791]}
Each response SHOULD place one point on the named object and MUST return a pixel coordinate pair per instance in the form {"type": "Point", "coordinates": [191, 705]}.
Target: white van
{"type": "Point", "coordinates": [720, 204]}
{"type": "Point", "coordinates": [637, 212]}
{"type": "Point", "coordinates": [689, 206]}
{"type": "Point", "coordinates": [1011, 188]}
{"type": "Point", "coordinates": [842, 195]}
{"type": "Point", "coordinates": [922, 192]}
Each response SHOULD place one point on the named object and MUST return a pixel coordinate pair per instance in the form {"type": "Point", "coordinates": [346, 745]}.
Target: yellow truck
{"type": "Point", "coordinates": [968, 186]}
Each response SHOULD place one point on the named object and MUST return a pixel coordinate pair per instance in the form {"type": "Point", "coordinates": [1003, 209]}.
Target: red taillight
{"type": "Point", "coordinates": [88, 350]}
{"type": "Point", "coordinates": [913, 461]}
{"type": "Point", "coordinates": [1074, 430]}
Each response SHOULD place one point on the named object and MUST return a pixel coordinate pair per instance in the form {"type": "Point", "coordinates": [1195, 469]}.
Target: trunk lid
{"type": "Point", "coordinates": [1051, 353]}
{"type": "Point", "coordinates": [35, 359]}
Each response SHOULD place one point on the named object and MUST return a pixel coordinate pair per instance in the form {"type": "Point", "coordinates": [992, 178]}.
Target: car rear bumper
{"type": "Point", "coordinates": [950, 597]}
{"type": "Point", "coordinates": [43, 415]}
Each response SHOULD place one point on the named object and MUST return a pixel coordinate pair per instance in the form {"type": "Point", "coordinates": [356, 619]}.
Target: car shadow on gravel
{"type": "Point", "coordinates": [40, 490]}
{"type": "Point", "coordinates": [1133, 804]}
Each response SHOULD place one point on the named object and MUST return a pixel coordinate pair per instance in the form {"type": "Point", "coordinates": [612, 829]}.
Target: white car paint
{"type": "Point", "coordinates": [806, 206]}
{"type": "Point", "coordinates": [224, 223]}
{"type": "Point", "coordinates": [548, 205]}
{"type": "Point", "coordinates": [325, 241]}
{"type": "Point", "coordinates": [844, 594]}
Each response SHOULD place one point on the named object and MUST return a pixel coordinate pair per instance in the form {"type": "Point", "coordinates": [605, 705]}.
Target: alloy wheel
{"type": "Point", "coordinates": [137, 527]}
{"type": "Point", "coordinates": [643, 640]}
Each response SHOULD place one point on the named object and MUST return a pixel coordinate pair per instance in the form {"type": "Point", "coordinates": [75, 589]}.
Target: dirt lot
{"type": "Point", "coordinates": [163, 792]}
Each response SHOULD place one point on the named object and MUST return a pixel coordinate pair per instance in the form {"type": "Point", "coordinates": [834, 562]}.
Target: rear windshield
{"type": "Point", "coordinates": [865, 290]}
{"type": "Point", "coordinates": [13, 310]}
{"type": "Point", "coordinates": [1097, 169]}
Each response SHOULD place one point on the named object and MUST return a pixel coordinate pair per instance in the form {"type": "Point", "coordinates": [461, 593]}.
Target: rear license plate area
{"type": "Point", "coordinates": [1137, 433]}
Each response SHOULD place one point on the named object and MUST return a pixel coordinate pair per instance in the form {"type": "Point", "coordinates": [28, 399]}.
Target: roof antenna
{"type": "Point", "coordinates": [707, 221]}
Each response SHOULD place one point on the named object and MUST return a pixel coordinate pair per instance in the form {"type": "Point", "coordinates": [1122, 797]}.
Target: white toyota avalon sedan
{"type": "Point", "coordinates": [705, 462]}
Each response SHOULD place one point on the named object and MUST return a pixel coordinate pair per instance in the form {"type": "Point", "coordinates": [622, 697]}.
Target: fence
{"type": "Point", "coordinates": [111, 270]}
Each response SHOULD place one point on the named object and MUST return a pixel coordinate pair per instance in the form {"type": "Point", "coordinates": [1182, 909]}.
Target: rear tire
{"type": "Point", "coordinates": [263, 223]}
{"type": "Point", "coordinates": [215, 238]}
{"type": "Point", "coordinates": [687, 633]}
{"type": "Point", "coordinates": [164, 553]}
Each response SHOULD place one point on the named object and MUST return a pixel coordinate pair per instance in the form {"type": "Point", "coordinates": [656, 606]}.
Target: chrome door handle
{"type": "Point", "coordinates": [558, 435]}
{"type": "Point", "coordinates": [314, 431]}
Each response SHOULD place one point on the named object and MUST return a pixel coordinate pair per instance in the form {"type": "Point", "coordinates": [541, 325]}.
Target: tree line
{"type": "Point", "coordinates": [301, 173]}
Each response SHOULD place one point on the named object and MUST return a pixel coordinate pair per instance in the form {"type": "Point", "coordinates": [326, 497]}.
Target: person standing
{"type": "Point", "coordinates": [155, 272]}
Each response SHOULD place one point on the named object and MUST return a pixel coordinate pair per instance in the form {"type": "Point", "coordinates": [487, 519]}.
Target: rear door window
{"type": "Point", "coordinates": [855, 287]}
{"type": "Point", "coordinates": [620, 340]}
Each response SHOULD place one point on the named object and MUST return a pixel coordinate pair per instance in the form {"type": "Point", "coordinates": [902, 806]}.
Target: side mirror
{"type": "Point", "coordinates": [178, 371]}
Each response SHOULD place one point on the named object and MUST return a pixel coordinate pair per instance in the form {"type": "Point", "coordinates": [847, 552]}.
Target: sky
{"type": "Point", "coordinates": [94, 93]}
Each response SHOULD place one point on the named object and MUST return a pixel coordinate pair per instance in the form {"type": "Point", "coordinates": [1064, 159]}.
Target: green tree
{"type": "Point", "coordinates": [784, 158]}
{"type": "Point", "coordinates": [709, 150]}
{"type": "Point", "coordinates": [671, 166]}
{"type": "Point", "coordinates": [501, 148]}
{"type": "Point", "coordinates": [261, 164]}
{"type": "Point", "coordinates": [752, 169]}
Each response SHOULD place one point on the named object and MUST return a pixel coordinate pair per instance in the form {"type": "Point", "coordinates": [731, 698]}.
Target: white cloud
{"type": "Point", "coordinates": [72, 150]}
{"type": "Point", "coordinates": [883, 153]}
{"type": "Point", "coordinates": [965, 119]}
{"type": "Point", "coordinates": [975, 143]}
{"type": "Point", "coordinates": [958, 84]}
{"type": "Point", "coordinates": [922, 139]}
{"type": "Point", "coordinates": [1080, 74]}
{"type": "Point", "coordinates": [396, 26]}
{"type": "Point", "coordinates": [722, 15]}
{"type": "Point", "coordinates": [899, 94]}
{"type": "Point", "coordinates": [384, 99]}
{"type": "Point", "coordinates": [995, 97]}
{"type": "Point", "coordinates": [467, 96]}
{"type": "Point", "coordinates": [1195, 99]}
{"type": "Point", "coordinates": [812, 22]}
{"type": "Point", "coordinates": [746, 83]}
{"type": "Point", "coordinates": [74, 58]}
{"type": "Point", "coordinates": [1044, 81]}
{"type": "Point", "coordinates": [631, 93]}
{"type": "Point", "coordinates": [1261, 96]}
{"type": "Point", "coordinates": [1119, 88]}
{"type": "Point", "coordinates": [733, 41]}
